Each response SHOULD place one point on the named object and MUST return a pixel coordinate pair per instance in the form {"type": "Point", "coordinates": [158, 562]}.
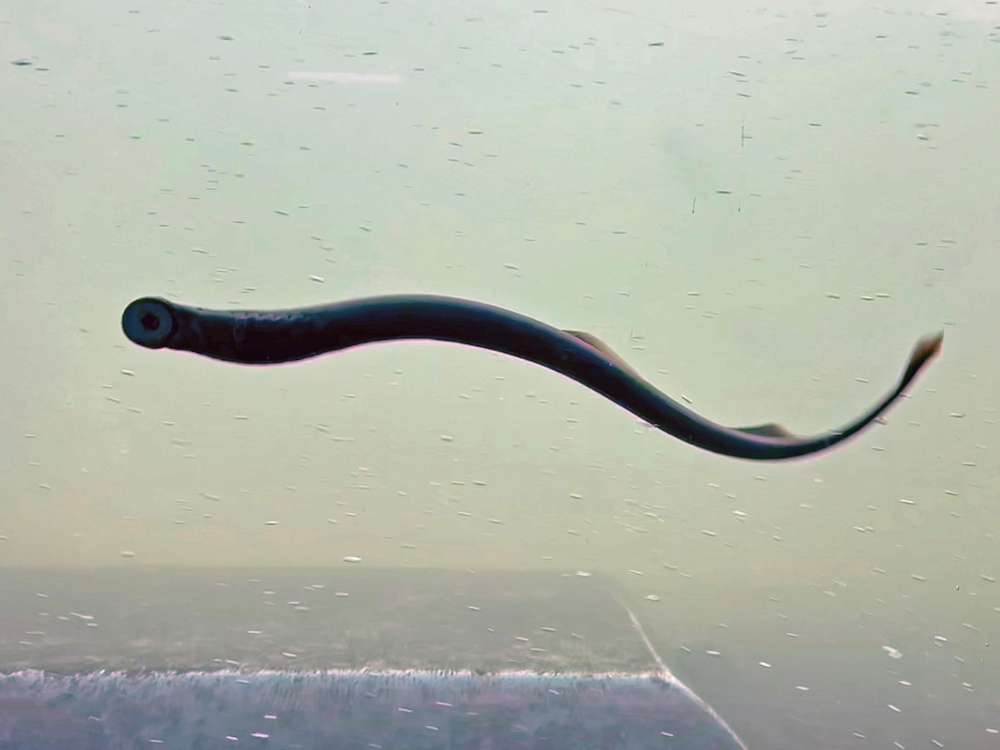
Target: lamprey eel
{"type": "Point", "coordinates": [273, 336]}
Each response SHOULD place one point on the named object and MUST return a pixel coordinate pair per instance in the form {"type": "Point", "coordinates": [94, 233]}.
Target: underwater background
{"type": "Point", "coordinates": [760, 207]}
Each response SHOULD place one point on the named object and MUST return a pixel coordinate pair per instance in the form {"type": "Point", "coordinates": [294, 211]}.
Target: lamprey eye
{"type": "Point", "coordinates": [149, 322]}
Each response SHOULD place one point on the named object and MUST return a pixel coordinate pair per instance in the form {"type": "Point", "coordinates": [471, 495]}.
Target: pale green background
{"type": "Point", "coordinates": [761, 207]}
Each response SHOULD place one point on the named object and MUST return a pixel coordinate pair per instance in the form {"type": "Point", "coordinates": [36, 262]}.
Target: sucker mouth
{"type": "Point", "coordinates": [149, 322]}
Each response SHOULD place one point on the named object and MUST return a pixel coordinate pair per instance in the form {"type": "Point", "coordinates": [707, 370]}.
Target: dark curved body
{"type": "Point", "coordinates": [270, 337]}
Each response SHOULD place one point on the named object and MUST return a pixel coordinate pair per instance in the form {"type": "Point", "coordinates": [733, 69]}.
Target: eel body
{"type": "Point", "coordinates": [274, 336]}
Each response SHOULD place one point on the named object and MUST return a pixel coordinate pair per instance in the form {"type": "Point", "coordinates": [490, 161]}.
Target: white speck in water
{"type": "Point", "coordinates": [352, 559]}
{"type": "Point", "coordinates": [893, 653]}
{"type": "Point", "coordinates": [127, 553]}
{"type": "Point", "coordinates": [652, 598]}
{"type": "Point", "coordinates": [582, 574]}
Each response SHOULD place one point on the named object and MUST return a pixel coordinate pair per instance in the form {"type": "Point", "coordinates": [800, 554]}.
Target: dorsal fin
{"type": "Point", "coordinates": [607, 351]}
{"type": "Point", "coordinates": [767, 430]}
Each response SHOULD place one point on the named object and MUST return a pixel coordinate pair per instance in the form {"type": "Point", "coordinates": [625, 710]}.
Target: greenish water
{"type": "Point", "coordinates": [761, 208]}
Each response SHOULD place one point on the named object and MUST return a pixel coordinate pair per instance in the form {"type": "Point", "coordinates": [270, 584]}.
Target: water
{"type": "Point", "coordinates": [760, 208]}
